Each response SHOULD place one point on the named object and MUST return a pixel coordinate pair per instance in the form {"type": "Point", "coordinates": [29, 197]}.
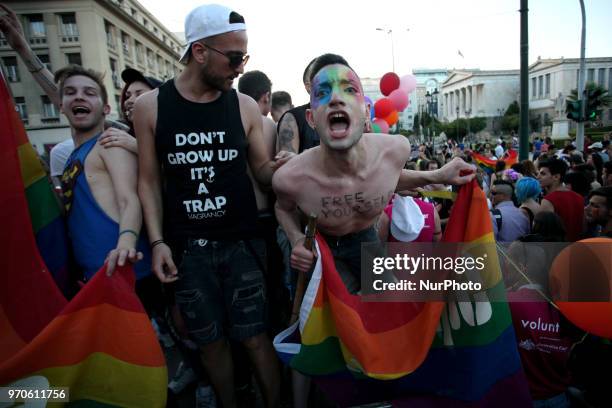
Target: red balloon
{"type": "Point", "coordinates": [389, 83]}
{"type": "Point", "coordinates": [400, 99]}
{"type": "Point", "coordinates": [392, 118]}
{"type": "Point", "coordinates": [592, 317]}
{"type": "Point", "coordinates": [383, 107]}
{"type": "Point", "coordinates": [588, 260]}
{"type": "Point", "coordinates": [384, 127]}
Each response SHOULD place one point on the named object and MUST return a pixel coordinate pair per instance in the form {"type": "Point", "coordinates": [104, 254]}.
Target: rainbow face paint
{"type": "Point", "coordinates": [337, 107]}
{"type": "Point", "coordinates": [338, 79]}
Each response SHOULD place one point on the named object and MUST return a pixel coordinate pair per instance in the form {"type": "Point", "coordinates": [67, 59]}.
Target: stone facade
{"type": "Point", "coordinates": [475, 93]}
{"type": "Point", "coordinates": [551, 81]}
{"type": "Point", "coordinates": [104, 35]}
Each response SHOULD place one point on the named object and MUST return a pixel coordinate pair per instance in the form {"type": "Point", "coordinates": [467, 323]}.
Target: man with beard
{"type": "Point", "coordinates": [196, 136]}
{"type": "Point", "coordinates": [349, 178]}
{"type": "Point", "coordinates": [99, 185]}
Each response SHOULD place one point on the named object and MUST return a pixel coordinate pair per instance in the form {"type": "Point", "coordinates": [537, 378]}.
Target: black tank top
{"type": "Point", "coordinates": [308, 136]}
{"type": "Point", "coordinates": [202, 148]}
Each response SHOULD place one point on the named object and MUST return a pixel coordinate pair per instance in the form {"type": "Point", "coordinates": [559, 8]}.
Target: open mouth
{"type": "Point", "coordinates": [339, 124]}
{"type": "Point", "coordinates": [79, 111]}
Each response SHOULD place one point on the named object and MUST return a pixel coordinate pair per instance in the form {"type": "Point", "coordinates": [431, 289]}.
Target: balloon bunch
{"type": "Point", "coordinates": [384, 113]}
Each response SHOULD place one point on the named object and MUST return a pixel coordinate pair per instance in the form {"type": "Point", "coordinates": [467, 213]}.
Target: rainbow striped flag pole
{"type": "Point", "coordinates": [434, 354]}
{"type": "Point", "coordinates": [100, 345]}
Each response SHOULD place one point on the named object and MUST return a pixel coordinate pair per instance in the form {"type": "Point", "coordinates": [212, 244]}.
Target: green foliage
{"type": "Point", "coordinates": [477, 124]}
{"type": "Point", "coordinates": [513, 109]}
{"type": "Point", "coordinates": [416, 124]}
{"type": "Point", "coordinates": [510, 123]}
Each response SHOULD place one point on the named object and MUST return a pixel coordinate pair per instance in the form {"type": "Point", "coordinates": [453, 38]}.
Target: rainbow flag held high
{"type": "Point", "coordinates": [432, 354]}
{"type": "Point", "coordinates": [101, 344]}
{"type": "Point", "coordinates": [488, 165]}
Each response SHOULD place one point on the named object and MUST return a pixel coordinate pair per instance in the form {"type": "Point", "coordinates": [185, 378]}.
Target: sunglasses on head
{"type": "Point", "coordinates": [235, 58]}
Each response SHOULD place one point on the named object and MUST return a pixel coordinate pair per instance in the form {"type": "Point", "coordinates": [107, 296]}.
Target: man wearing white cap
{"type": "Point", "coordinates": [196, 137]}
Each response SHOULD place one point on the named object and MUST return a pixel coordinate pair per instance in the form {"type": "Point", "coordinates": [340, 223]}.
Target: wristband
{"type": "Point", "coordinates": [157, 242]}
{"type": "Point", "coordinates": [126, 231]}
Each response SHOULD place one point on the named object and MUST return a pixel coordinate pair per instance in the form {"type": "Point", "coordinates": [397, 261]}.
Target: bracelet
{"type": "Point", "coordinates": [157, 242]}
{"type": "Point", "coordinates": [125, 231]}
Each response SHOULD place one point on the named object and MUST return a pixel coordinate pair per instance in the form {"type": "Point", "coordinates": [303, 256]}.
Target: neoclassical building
{"type": "Point", "coordinates": [472, 93]}
{"type": "Point", "coordinates": [551, 81]}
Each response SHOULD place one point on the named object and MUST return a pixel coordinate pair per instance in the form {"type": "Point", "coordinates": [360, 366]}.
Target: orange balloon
{"type": "Point", "coordinates": [392, 118]}
{"type": "Point", "coordinates": [581, 284]}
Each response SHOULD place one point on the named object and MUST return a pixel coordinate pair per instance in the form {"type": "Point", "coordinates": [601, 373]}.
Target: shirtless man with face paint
{"type": "Point", "coordinates": [350, 177]}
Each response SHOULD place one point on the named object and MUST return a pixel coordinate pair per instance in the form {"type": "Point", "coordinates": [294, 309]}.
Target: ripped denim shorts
{"type": "Point", "coordinates": [220, 291]}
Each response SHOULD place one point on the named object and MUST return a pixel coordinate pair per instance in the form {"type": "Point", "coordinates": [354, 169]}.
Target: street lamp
{"type": "Point", "coordinates": [500, 113]}
{"type": "Point", "coordinates": [467, 115]}
{"type": "Point", "coordinates": [457, 120]}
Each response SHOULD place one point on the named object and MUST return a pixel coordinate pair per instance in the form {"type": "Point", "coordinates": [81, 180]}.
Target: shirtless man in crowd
{"type": "Point", "coordinates": [347, 180]}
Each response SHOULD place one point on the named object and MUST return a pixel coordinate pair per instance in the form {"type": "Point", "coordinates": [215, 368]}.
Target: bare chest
{"type": "Point", "coordinates": [347, 205]}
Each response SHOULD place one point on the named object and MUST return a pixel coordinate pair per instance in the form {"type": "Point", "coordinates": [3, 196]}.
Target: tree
{"type": "Point", "coordinates": [477, 124]}
{"type": "Point", "coordinates": [601, 100]}
{"type": "Point", "coordinates": [510, 121]}
{"type": "Point", "coordinates": [416, 124]}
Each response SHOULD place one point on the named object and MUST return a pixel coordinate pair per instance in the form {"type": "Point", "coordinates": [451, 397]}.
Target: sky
{"type": "Point", "coordinates": [284, 35]}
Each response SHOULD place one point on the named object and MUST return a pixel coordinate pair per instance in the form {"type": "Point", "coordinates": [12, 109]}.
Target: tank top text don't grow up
{"type": "Point", "coordinates": [202, 150]}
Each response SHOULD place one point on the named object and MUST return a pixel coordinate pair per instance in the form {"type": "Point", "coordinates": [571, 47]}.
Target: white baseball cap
{"type": "Point", "coordinates": [209, 20]}
{"type": "Point", "coordinates": [596, 145]}
{"type": "Point", "coordinates": [407, 221]}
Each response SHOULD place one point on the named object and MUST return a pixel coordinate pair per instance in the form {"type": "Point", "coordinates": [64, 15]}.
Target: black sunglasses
{"type": "Point", "coordinates": [235, 59]}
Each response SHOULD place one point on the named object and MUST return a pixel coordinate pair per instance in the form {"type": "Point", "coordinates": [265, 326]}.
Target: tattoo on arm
{"type": "Point", "coordinates": [286, 134]}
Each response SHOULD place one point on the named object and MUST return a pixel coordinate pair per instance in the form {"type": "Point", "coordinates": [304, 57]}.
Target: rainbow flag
{"type": "Point", "coordinates": [460, 354]}
{"type": "Point", "coordinates": [488, 165]}
{"type": "Point", "coordinates": [101, 345]}
{"type": "Point", "coordinates": [45, 217]}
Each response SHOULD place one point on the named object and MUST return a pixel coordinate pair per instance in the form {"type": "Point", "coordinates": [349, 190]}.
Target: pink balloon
{"type": "Point", "coordinates": [399, 98]}
{"type": "Point", "coordinates": [408, 83]}
{"type": "Point", "coordinates": [384, 126]}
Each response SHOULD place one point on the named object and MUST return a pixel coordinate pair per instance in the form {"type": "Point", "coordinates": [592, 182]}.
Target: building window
{"type": "Point", "coordinates": [20, 105]}
{"type": "Point", "coordinates": [49, 109]}
{"type": "Point", "coordinates": [69, 28]}
{"type": "Point", "coordinates": [44, 58]}
{"type": "Point", "coordinates": [150, 59]}
{"type": "Point", "coordinates": [74, 58]}
{"type": "Point", "coordinates": [110, 34]}
{"type": "Point", "coordinates": [11, 72]}
{"type": "Point", "coordinates": [160, 65]}
{"type": "Point", "coordinates": [533, 87]}
{"type": "Point", "coordinates": [36, 28]}
{"type": "Point", "coordinates": [168, 69]}
{"type": "Point", "coordinates": [590, 75]}
{"type": "Point", "coordinates": [540, 86]}
{"type": "Point", "coordinates": [125, 43]}
{"type": "Point", "coordinates": [547, 86]}
{"type": "Point", "coordinates": [139, 53]}
{"type": "Point", "coordinates": [114, 74]}
{"type": "Point", "coordinates": [609, 80]}
{"type": "Point", "coordinates": [601, 80]}
{"type": "Point", "coordinates": [134, 12]}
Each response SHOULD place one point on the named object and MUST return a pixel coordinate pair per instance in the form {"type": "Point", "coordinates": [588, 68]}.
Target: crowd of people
{"type": "Point", "coordinates": [207, 196]}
